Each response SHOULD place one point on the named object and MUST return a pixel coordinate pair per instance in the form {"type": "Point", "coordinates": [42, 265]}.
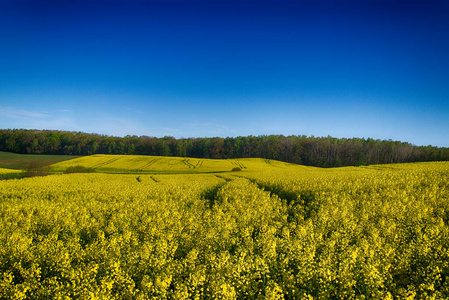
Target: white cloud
{"type": "Point", "coordinates": [32, 119]}
{"type": "Point", "coordinates": [22, 113]}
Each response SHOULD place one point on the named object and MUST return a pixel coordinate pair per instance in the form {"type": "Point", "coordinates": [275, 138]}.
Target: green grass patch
{"type": "Point", "coordinates": [22, 161]}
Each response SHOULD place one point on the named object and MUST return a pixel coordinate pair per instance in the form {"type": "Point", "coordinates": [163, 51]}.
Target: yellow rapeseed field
{"type": "Point", "coordinates": [179, 228]}
{"type": "Point", "coordinates": [9, 173]}
{"type": "Point", "coordinates": [140, 164]}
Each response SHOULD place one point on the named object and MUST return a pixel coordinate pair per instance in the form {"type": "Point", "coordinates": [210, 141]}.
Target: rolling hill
{"type": "Point", "coordinates": [140, 164]}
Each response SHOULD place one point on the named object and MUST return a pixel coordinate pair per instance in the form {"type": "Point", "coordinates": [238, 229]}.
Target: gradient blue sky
{"type": "Point", "coordinates": [376, 69]}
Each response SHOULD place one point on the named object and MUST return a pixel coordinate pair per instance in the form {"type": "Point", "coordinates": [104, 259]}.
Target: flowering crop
{"type": "Point", "coordinates": [272, 231]}
{"type": "Point", "coordinates": [140, 164]}
{"type": "Point", "coordinates": [9, 173]}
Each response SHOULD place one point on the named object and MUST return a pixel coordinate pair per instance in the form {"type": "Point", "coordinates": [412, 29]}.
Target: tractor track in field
{"type": "Point", "coordinates": [192, 166]}
{"type": "Point", "coordinates": [154, 179]}
{"type": "Point", "coordinates": [238, 163]}
{"type": "Point", "coordinates": [102, 164]}
{"type": "Point", "coordinates": [151, 162]}
{"type": "Point", "coordinates": [304, 202]}
{"type": "Point", "coordinates": [199, 163]}
{"type": "Point", "coordinates": [272, 189]}
{"type": "Point", "coordinates": [224, 178]}
{"type": "Point", "coordinates": [188, 163]}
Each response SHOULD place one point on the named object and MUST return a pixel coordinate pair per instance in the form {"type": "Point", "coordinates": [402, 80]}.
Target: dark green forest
{"type": "Point", "coordinates": [298, 149]}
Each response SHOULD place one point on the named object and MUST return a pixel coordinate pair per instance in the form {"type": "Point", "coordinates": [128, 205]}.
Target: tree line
{"type": "Point", "coordinates": [298, 149]}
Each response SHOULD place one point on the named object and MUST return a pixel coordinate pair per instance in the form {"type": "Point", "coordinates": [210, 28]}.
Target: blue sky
{"type": "Point", "coordinates": [368, 68]}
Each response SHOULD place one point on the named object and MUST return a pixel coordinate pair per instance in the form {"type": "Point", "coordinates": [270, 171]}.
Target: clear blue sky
{"type": "Point", "coordinates": [376, 69]}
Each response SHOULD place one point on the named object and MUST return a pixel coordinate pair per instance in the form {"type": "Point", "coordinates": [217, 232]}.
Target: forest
{"type": "Point", "coordinates": [299, 149]}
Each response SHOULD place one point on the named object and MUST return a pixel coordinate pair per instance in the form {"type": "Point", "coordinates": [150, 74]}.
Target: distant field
{"type": "Point", "coordinates": [139, 164]}
{"type": "Point", "coordinates": [22, 161]}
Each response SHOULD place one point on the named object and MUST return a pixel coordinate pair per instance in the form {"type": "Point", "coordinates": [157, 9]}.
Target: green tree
{"type": "Point", "coordinates": [131, 149]}
{"type": "Point", "coordinates": [162, 148]}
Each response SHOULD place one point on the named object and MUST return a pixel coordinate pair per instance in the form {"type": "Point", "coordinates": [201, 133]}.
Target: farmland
{"type": "Point", "coordinates": [21, 161]}
{"type": "Point", "coordinates": [9, 173]}
{"type": "Point", "coordinates": [145, 227]}
{"type": "Point", "coordinates": [141, 164]}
